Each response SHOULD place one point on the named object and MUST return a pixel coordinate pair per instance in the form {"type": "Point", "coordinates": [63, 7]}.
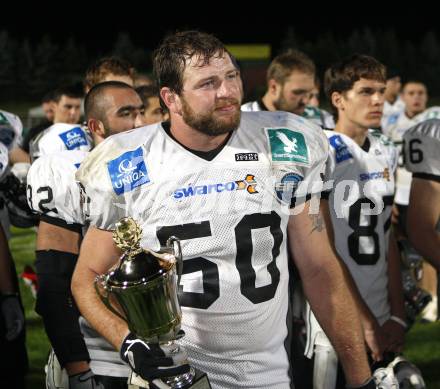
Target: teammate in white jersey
{"type": "Point", "coordinates": [219, 180]}
{"type": "Point", "coordinates": [393, 104]}
{"type": "Point", "coordinates": [362, 165]}
{"type": "Point", "coordinates": [415, 97]}
{"type": "Point", "coordinates": [65, 133]}
{"type": "Point", "coordinates": [422, 158]}
{"type": "Point", "coordinates": [111, 107]}
{"type": "Point", "coordinates": [290, 80]}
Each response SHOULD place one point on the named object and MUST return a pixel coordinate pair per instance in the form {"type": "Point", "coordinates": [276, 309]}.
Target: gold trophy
{"type": "Point", "coordinates": [142, 290]}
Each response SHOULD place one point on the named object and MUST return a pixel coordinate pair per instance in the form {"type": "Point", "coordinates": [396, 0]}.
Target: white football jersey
{"type": "Point", "coordinates": [253, 106]}
{"type": "Point", "coordinates": [360, 203]}
{"type": "Point", "coordinates": [11, 129]}
{"type": "Point", "coordinates": [391, 110]}
{"type": "Point", "coordinates": [397, 126]}
{"type": "Point", "coordinates": [52, 189]}
{"type": "Point", "coordinates": [360, 207]}
{"type": "Point", "coordinates": [422, 150]}
{"type": "Point", "coordinates": [231, 216]}
{"type": "Point", "coordinates": [60, 137]}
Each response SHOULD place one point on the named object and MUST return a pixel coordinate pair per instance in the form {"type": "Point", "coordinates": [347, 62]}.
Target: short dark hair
{"type": "Point", "coordinates": [48, 97]}
{"type": "Point", "coordinates": [284, 64]}
{"type": "Point", "coordinates": [341, 76]}
{"type": "Point", "coordinates": [170, 59]}
{"type": "Point", "coordinates": [94, 102]}
{"type": "Point", "coordinates": [71, 91]}
{"type": "Point", "coordinates": [97, 72]}
{"type": "Point", "coordinates": [147, 91]}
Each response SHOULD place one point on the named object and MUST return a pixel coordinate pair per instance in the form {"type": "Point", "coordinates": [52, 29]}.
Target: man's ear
{"type": "Point", "coordinates": [273, 87]}
{"type": "Point", "coordinates": [96, 127]}
{"type": "Point", "coordinates": [171, 100]}
{"type": "Point", "coordinates": [338, 101]}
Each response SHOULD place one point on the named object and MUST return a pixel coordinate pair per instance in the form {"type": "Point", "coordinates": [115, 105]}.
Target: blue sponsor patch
{"type": "Point", "coordinates": [128, 171]}
{"type": "Point", "coordinates": [341, 150]}
{"type": "Point", "coordinates": [77, 165]}
{"type": "Point", "coordinates": [393, 118]}
{"type": "Point", "coordinates": [286, 189]}
{"type": "Point", "coordinates": [74, 138]}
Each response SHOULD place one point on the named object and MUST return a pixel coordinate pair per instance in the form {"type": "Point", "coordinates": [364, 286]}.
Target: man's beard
{"type": "Point", "coordinates": [207, 122]}
{"type": "Point", "coordinates": [281, 104]}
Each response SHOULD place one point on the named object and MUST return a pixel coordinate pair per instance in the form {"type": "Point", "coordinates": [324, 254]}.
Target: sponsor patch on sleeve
{"type": "Point", "coordinates": [342, 153]}
{"type": "Point", "coordinates": [287, 145]}
{"type": "Point", "coordinates": [74, 138]}
{"type": "Point", "coordinates": [128, 171]}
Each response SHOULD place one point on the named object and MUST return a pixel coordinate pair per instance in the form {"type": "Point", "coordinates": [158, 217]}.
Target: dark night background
{"type": "Point", "coordinates": [42, 48]}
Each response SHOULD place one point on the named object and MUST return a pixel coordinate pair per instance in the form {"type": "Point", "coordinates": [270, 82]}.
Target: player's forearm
{"type": "Point", "coordinates": [395, 289]}
{"type": "Point", "coordinates": [94, 311]}
{"type": "Point", "coordinates": [327, 291]}
{"type": "Point", "coordinates": [335, 308]}
{"type": "Point", "coordinates": [427, 242]}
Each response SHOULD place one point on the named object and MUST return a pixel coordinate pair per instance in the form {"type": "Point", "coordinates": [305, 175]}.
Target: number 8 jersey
{"type": "Point", "coordinates": [231, 216]}
{"type": "Point", "coordinates": [360, 204]}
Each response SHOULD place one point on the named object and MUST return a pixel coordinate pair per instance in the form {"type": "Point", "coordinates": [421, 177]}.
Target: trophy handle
{"type": "Point", "coordinates": [175, 243]}
{"type": "Point", "coordinates": [105, 298]}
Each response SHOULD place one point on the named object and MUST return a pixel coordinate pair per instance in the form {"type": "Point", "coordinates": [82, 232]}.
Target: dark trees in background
{"type": "Point", "coordinates": [29, 69]}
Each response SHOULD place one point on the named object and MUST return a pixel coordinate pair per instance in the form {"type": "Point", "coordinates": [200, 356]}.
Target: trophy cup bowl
{"type": "Point", "coordinates": [142, 290]}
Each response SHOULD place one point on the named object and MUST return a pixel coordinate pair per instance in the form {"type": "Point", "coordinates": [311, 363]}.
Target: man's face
{"type": "Point", "coordinates": [211, 96]}
{"type": "Point", "coordinates": [153, 113]}
{"type": "Point", "coordinates": [314, 97]}
{"type": "Point", "coordinates": [415, 97]}
{"type": "Point", "coordinates": [48, 111]}
{"type": "Point", "coordinates": [394, 85]}
{"type": "Point", "coordinates": [294, 94]}
{"type": "Point", "coordinates": [67, 110]}
{"type": "Point", "coordinates": [362, 105]}
{"type": "Point", "coordinates": [123, 110]}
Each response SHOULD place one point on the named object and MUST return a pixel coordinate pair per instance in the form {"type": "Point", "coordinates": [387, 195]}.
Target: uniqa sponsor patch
{"type": "Point", "coordinates": [128, 171]}
{"type": "Point", "coordinates": [74, 138]}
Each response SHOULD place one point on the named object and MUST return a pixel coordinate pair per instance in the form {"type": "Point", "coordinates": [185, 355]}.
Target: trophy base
{"type": "Point", "coordinates": [195, 379]}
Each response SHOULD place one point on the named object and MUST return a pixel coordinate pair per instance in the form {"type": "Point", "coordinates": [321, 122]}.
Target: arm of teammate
{"type": "Point", "coordinates": [326, 289]}
{"type": "Point", "coordinates": [395, 331]}
{"type": "Point", "coordinates": [423, 218]}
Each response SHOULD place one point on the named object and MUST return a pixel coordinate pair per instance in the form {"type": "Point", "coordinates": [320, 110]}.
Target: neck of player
{"type": "Point", "coordinates": [355, 132]}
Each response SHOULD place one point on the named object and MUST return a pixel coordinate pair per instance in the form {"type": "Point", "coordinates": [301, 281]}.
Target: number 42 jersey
{"type": "Point", "coordinates": [231, 216]}
{"type": "Point", "coordinates": [360, 204]}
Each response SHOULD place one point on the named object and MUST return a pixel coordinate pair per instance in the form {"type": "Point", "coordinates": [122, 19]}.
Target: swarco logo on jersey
{"type": "Point", "coordinates": [249, 184]}
{"type": "Point", "coordinates": [385, 174]}
{"type": "Point", "coordinates": [287, 145]}
{"type": "Point", "coordinates": [74, 138]}
{"type": "Point", "coordinates": [286, 188]}
{"type": "Point", "coordinates": [341, 150]}
{"type": "Point", "coordinates": [128, 171]}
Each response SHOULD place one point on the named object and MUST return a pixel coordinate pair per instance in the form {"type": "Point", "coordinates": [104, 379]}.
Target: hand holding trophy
{"type": "Point", "coordinates": [142, 290]}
